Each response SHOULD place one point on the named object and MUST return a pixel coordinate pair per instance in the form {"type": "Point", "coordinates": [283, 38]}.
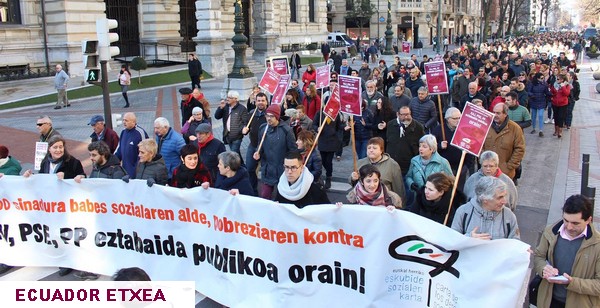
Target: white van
{"type": "Point", "coordinates": [543, 29]}
{"type": "Point", "coordinates": [340, 37]}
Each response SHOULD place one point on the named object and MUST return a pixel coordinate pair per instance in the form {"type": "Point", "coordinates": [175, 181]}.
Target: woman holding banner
{"type": "Point", "coordinates": [369, 190]}
{"type": "Point", "coordinates": [433, 199]}
{"type": "Point", "coordinates": [428, 161]}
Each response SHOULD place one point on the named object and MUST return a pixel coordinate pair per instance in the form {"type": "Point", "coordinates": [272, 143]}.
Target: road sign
{"type": "Point", "coordinates": [381, 19]}
{"type": "Point", "coordinates": [93, 75]}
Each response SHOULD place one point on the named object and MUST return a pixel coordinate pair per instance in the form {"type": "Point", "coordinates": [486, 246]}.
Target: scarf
{"type": "Point", "coordinates": [367, 198]}
{"type": "Point", "coordinates": [499, 128]}
{"type": "Point", "coordinates": [209, 139]}
{"type": "Point", "coordinates": [297, 190]}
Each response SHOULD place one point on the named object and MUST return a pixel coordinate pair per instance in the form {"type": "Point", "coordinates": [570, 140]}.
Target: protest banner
{"type": "Point", "coordinates": [280, 65]}
{"type": "Point", "coordinates": [333, 105]}
{"type": "Point", "coordinates": [406, 46]}
{"type": "Point", "coordinates": [281, 89]}
{"type": "Point", "coordinates": [472, 129]}
{"type": "Point", "coordinates": [269, 80]}
{"type": "Point", "coordinates": [350, 94]}
{"type": "Point", "coordinates": [279, 256]}
{"type": "Point", "coordinates": [41, 149]}
{"type": "Point", "coordinates": [437, 80]}
{"type": "Point", "coordinates": [323, 76]}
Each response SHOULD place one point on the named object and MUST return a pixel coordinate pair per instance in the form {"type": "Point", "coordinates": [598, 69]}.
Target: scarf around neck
{"type": "Point", "coordinates": [297, 190]}
{"type": "Point", "coordinates": [209, 139]}
{"type": "Point", "coordinates": [367, 198]}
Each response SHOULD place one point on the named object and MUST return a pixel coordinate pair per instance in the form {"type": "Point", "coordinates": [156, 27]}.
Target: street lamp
{"type": "Point", "coordinates": [428, 20]}
{"type": "Point", "coordinates": [439, 27]}
{"type": "Point", "coordinates": [240, 68]}
{"type": "Point", "coordinates": [389, 34]}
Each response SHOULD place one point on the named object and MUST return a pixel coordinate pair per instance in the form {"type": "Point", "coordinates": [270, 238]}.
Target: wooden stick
{"type": "Point", "coordinates": [460, 165]}
{"type": "Point", "coordinates": [441, 117]}
{"type": "Point", "coordinates": [316, 140]}
{"type": "Point", "coordinates": [262, 139]}
{"type": "Point", "coordinates": [251, 117]}
{"type": "Point", "coordinates": [353, 138]}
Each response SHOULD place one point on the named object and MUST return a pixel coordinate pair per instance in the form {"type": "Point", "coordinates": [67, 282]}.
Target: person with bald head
{"type": "Point", "coordinates": [61, 80]}
{"type": "Point", "coordinates": [500, 98]}
{"type": "Point", "coordinates": [131, 136]}
{"type": "Point", "coordinates": [506, 138]}
{"type": "Point", "coordinates": [472, 94]}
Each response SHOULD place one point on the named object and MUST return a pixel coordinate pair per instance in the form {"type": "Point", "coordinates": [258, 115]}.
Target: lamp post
{"type": "Point", "coordinates": [378, 22]}
{"type": "Point", "coordinates": [240, 68]}
{"type": "Point", "coordinates": [389, 34]}
{"type": "Point", "coordinates": [439, 27]}
{"type": "Point", "coordinates": [428, 20]}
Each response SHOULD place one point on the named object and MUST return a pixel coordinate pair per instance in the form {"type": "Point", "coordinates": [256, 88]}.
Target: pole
{"type": "Point", "coordinates": [316, 139]}
{"type": "Point", "coordinates": [412, 22]}
{"type": "Point", "coordinates": [441, 117]}
{"type": "Point", "coordinates": [439, 27]}
{"type": "Point", "coordinates": [378, 16]}
{"type": "Point", "coordinates": [252, 117]}
{"type": "Point", "coordinates": [106, 94]}
{"type": "Point", "coordinates": [456, 179]}
{"type": "Point", "coordinates": [585, 172]}
{"type": "Point", "coordinates": [262, 139]}
{"type": "Point", "coordinates": [353, 138]}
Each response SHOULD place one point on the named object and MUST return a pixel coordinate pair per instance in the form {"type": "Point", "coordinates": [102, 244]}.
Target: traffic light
{"type": "Point", "coordinates": [91, 60]}
{"type": "Point", "coordinates": [105, 38]}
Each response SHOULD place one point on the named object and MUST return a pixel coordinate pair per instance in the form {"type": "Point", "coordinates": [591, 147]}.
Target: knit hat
{"type": "Point", "coordinates": [3, 152]}
{"type": "Point", "coordinates": [275, 110]}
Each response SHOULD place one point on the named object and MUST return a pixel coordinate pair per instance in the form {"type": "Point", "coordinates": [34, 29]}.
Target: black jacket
{"type": "Point", "coordinates": [437, 211]}
{"type": "Point", "coordinates": [239, 181]}
{"type": "Point", "coordinates": [70, 166]}
{"type": "Point", "coordinates": [403, 149]}
{"type": "Point", "coordinates": [239, 119]}
{"type": "Point", "coordinates": [195, 67]}
{"type": "Point", "coordinates": [110, 170]}
{"type": "Point", "coordinates": [156, 169]}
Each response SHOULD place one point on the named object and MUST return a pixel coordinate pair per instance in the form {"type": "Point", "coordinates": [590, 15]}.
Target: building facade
{"type": "Point", "coordinates": [42, 33]}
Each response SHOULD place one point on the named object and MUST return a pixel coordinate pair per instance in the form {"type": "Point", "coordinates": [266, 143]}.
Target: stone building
{"type": "Point", "coordinates": [42, 33]}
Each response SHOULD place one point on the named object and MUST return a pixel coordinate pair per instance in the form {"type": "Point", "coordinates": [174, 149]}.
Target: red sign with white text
{"type": "Point", "coordinates": [350, 94]}
{"type": "Point", "coordinates": [437, 80]}
{"type": "Point", "coordinates": [282, 87]}
{"type": "Point", "coordinates": [472, 129]}
{"type": "Point", "coordinates": [269, 80]}
{"type": "Point", "coordinates": [406, 47]}
{"type": "Point", "coordinates": [323, 76]}
{"type": "Point", "coordinates": [280, 65]}
{"type": "Point", "coordinates": [333, 105]}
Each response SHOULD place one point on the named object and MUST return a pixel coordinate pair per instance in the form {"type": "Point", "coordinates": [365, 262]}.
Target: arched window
{"type": "Point", "coordinates": [10, 12]}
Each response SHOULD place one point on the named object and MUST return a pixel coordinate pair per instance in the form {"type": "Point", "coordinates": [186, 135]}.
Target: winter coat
{"type": "Point", "coordinates": [239, 118]}
{"type": "Point", "coordinates": [169, 146]}
{"type": "Point", "coordinates": [187, 107]}
{"type": "Point", "coordinates": [331, 136]}
{"type": "Point", "coordinates": [399, 101]}
{"type": "Point", "coordinates": [417, 173]}
{"type": "Point", "coordinates": [511, 198]}
{"type": "Point", "coordinates": [155, 169]}
{"type": "Point", "coordinates": [363, 132]}
{"type": "Point", "coordinates": [70, 166]}
{"type": "Point", "coordinates": [437, 210]}
{"type": "Point", "coordinates": [403, 149]}
{"type": "Point", "coordinates": [468, 98]}
{"type": "Point", "coordinates": [194, 68]}
{"type": "Point", "coordinates": [424, 112]}
{"type": "Point", "coordinates": [560, 97]}
{"type": "Point", "coordinates": [110, 170]}
{"type": "Point", "coordinates": [391, 175]}
{"type": "Point", "coordinates": [460, 87]}
{"type": "Point", "coordinates": [184, 177]}
{"type": "Point", "coordinates": [189, 128]}
{"type": "Point", "coordinates": [240, 181]}
{"type": "Point", "coordinates": [209, 156]}
{"type": "Point", "coordinates": [312, 105]}
{"type": "Point", "coordinates": [371, 100]}
{"type": "Point", "coordinates": [11, 166]}
{"type": "Point", "coordinates": [523, 97]}
{"type": "Point", "coordinates": [258, 120]}
{"type": "Point", "coordinates": [414, 85]}
{"type": "Point", "coordinates": [128, 149]}
{"type": "Point", "coordinates": [315, 165]}
{"type": "Point", "coordinates": [315, 195]}
{"type": "Point", "coordinates": [499, 225]}
{"type": "Point", "coordinates": [279, 140]}
{"type": "Point", "coordinates": [509, 144]}
{"type": "Point", "coordinates": [538, 94]}
{"type": "Point", "coordinates": [307, 77]}
{"type": "Point", "coordinates": [582, 292]}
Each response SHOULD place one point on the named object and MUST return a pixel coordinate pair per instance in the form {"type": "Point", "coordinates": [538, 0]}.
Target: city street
{"type": "Point", "coordinates": [551, 167]}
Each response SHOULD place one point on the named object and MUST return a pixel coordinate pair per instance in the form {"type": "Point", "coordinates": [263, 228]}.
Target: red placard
{"type": "Point", "coordinates": [282, 87]}
{"type": "Point", "coordinates": [437, 80]}
{"type": "Point", "coordinates": [333, 105]}
{"type": "Point", "coordinates": [323, 76]}
{"type": "Point", "coordinates": [472, 129]}
{"type": "Point", "coordinates": [280, 65]}
{"type": "Point", "coordinates": [269, 80]}
{"type": "Point", "coordinates": [350, 94]}
{"type": "Point", "coordinates": [406, 47]}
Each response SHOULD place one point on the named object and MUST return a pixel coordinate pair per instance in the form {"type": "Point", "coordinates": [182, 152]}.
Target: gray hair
{"type": "Point", "coordinates": [486, 188]}
{"type": "Point", "coordinates": [371, 82]}
{"type": "Point", "coordinates": [450, 111]}
{"type": "Point", "coordinates": [230, 159]}
{"type": "Point", "coordinates": [423, 90]}
{"type": "Point", "coordinates": [163, 122]}
{"type": "Point", "coordinates": [430, 141]}
{"type": "Point", "coordinates": [233, 93]}
{"type": "Point", "coordinates": [489, 155]}
{"type": "Point", "coordinates": [46, 119]}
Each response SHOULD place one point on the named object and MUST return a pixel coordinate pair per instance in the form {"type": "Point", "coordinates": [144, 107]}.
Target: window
{"type": "Point", "coordinates": [293, 17]}
{"type": "Point", "coordinates": [349, 5]}
{"type": "Point", "coordinates": [10, 12]}
{"type": "Point", "coordinates": [311, 11]}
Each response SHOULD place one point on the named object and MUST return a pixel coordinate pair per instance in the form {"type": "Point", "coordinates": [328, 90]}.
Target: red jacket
{"type": "Point", "coordinates": [560, 97]}
{"type": "Point", "coordinates": [312, 105]}
{"type": "Point", "coordinates": [307, 77]}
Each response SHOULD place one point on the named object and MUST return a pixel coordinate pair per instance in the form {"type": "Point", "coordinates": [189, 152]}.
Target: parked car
{"type": "Point", "coordinates": [340, 38]}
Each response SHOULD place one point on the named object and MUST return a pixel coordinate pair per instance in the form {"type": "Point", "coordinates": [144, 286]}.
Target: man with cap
{"type": "Point", "coordinates": [44, 127]}
{"type": "Point", "coordinates": [209, 149]}
{"type": "Point", "coordinates": [278, 141]}
{"type": "Point", "coordinates": [131, 136]}
{"type": "Point", "coordinates": [103, 133]}
{"type": "Point", "coordinates": [189, 128]}
{"type": "Point", "coordinates": [235, 116]}
{"type": "Point", "coordinates": [188, 102]}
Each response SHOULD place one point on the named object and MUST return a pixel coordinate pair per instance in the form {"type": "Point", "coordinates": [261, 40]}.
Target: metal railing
{"type": "Point", "coordinates": [25, 71]}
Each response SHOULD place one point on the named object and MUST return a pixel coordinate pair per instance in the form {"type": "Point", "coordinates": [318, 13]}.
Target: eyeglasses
{"type": "Point", "coordinates": [291, 168]}
{"type": "Point", "coordinates": [40, 124]}
{"type": "Point", "coordinates": [455, 118]}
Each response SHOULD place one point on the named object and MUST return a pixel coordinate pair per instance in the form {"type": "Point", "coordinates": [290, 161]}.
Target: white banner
{"type": "Point", "coordinates": [247, 252]}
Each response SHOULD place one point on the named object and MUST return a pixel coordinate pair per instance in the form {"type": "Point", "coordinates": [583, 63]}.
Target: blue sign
{"type": "Point", "coordinates": [381, 19]}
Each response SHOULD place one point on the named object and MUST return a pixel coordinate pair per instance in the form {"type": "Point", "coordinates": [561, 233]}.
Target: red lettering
{"type": "Point", "coordinates": [20, 295]}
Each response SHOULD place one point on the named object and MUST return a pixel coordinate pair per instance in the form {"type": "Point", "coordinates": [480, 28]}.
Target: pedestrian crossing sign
{"type": "Point", "coordinates": [92, 75]}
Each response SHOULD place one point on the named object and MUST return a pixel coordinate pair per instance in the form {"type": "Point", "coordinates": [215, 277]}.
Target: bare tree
{"type": "Point", "coordinates": [360, 11]}
{"type": "Point", "coordinates": [515, 13]}
{"type": "Point", "coordinates": [589, 10]}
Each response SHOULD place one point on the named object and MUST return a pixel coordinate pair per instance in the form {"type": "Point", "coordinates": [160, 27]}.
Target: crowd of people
{"type": "Point", "coordinates": [404, 157]}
